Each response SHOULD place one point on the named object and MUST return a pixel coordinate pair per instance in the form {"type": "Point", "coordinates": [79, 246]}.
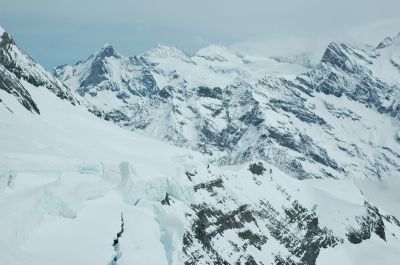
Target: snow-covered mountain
{"type": "Point", "coordinates": [296, 166]}
{"type": "Point", "coordinates": [112, 83]}
{"type": "Point", "coordinates": [239, 108]}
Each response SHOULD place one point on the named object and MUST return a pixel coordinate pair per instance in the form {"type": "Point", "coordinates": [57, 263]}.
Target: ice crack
{"type": "Point", "coordinates": [117, 249]}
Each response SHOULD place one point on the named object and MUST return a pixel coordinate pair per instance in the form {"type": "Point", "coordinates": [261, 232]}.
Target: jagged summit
{"type": "Point", "coordinates": [5, 38]}
{"type": "Point", "coordinates": [385, 43]}
{"type": "Point", "coordinates": [341, 54]}
{"type": "Point", "coordinates": [388, 41]}
{"type": "Point", "coordinates": [107, 51]}
{"type": "Point", "coordinates": [344, 56]}
{"type": "Point", "coordinates": [108, 77]}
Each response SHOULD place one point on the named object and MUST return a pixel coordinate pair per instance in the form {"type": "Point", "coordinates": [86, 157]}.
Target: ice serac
{"type": "Point", "coordinates": [24, 68]}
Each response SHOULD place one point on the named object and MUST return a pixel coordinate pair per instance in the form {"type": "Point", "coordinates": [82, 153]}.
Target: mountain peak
{"type": "Point", "coordinates": [334, 50]}
{"type": "Point", "coordinates": [345, 57]}
{"type": "Point", "coordinates": [388, 41]}
{"type": "Point", "coordinates": [5, 38]}
{"type": "Point", "coordinates": [385, 43]}
{"type": "Point", "coordinates": [165, 51]}
{"type": "Point", "coordinates": [107, 45]}
{"type": "Point", "coordinates": [107, 51]}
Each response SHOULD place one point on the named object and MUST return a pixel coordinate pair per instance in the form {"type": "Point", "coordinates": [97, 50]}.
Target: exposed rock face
{"type": "Point", "coordinates": [371, 222]}
{"type": "Point", "coordinates": [257, 169]}
{"type": "Point", "coordinates": [225, 231]}
{"type": "Point", "coordinates": [25, 68]}
{"type": "Point", "coordinates": [17, 67]}
{"type": "Point", "coordinates": [211, 222]}
{"type": "Point", "coordinates": [12, 85]}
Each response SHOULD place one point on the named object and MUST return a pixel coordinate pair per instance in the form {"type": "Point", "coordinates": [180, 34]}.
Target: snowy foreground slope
{"type": "Point", "coordinates": [75, 189]}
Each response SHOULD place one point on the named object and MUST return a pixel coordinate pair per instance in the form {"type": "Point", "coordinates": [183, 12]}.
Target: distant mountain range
{"type": "Point", "coordinates": [241, 108]}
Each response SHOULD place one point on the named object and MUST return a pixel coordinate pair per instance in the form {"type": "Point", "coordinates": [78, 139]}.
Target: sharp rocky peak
{"type": "Point", "coordinates": [388, 41]}
{"type": "Point", "coordinates": [345, 57]}
{"type": "Point", "coordinates": [334, 48]}
{"type": "Point", "coordinates": [5, 38]}
{"type": "Point", "coordinates": [385, 43]}
{"type": "Point", "coordinates": [107, 51]}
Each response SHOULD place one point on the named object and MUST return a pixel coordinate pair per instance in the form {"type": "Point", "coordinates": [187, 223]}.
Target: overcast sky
{"type": "Point", "coordinates": [57, 32]}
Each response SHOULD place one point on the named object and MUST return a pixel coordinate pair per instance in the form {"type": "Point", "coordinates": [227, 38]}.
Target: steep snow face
{"type": "Point", "coordinates": [18, 64]}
